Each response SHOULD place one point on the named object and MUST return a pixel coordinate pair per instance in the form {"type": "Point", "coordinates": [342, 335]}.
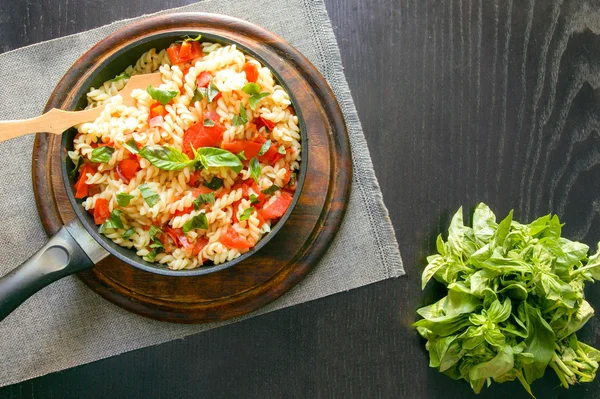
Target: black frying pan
{"type": "Point", "coordinates": [78, 245]}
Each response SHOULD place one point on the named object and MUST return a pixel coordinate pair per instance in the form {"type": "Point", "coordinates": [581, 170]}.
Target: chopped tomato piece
{"type": "Point", "coordinates": [201, 190]}
{"type": "Point", "coordinates": [203, 79]}
{"type": "Point", "coordinates": [185, 50]}
{"type": "Point", "coordinates": [251, 71]}
{"type": "Point", "coordinates": [261, 221]}
{"type": "Point", "coordinates": [184, 211]}
{"type": "Point", "coordinates": [157, 110]}
{"type": "Point", "coordinates": [260, 122]}
{"type": "Point", "coordinates": [81, 187]}
{"type": "Point", "coordinates": [176, 55]}
{"type": "Point", "coordinates": [233, 239]}
{"type": "Point", "coordinates": [194, 178]}
{"type": "Point", "coordinates": [199, 135]}
{"type": "Point", "coordinates": [212, 115]}
{"type": "Point", "coordinates": [101, 212]}
{"type": "Point", "coordinates": [127, 169]}
{"type": "Point", "coordinates": [288, 175]}
{"type": "Point", "coordinates": [277, 208]}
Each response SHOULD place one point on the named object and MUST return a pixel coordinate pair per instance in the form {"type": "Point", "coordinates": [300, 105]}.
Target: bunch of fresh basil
{"type": "Point", "coordinates": [515, 300]}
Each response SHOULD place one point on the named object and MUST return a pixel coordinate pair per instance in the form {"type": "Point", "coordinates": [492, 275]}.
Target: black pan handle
{"type": "Point", "coordinates": [61, 256]}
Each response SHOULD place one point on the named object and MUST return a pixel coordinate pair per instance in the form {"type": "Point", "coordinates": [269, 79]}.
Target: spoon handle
{"type": "Point", "coordinates": [54, 121]}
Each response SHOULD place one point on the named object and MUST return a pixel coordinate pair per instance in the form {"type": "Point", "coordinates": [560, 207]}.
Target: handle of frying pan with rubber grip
{"type": "Point", "coordinates": [61, 256]}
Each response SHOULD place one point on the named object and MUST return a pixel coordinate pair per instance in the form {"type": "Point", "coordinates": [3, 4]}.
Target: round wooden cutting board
{"type": "Point", "coordinates": [287, 258]}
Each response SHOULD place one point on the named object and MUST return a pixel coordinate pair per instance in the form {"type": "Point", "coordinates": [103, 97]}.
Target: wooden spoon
{"type": "Point", "coordinates": [57, 121]}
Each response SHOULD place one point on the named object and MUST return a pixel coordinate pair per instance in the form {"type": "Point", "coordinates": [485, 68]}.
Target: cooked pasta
{"type": "Point", "coordinates": [201, 167]}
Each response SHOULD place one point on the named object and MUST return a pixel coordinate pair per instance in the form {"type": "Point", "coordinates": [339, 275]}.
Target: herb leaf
{"type": "Point", "coordinates": [214, 184]}
{"type": "Point", "coordinates": [208, 122]}
{"type": "Point", "coordinates": [241, 156]}
{"type": "Point", "coordinates": [264, 148]}
{"type": "Point", "coordinates": [199, 95]}
{"type": "Point", "coordinates": [212, 91]}
{"type": "Point", "coordinates": [255, 169]}
{"type": "Point", "coordinates": [242, 119]}
{"type": "Point", "coordinates": [132, 146]}
{"type": "Point", "coordinates": [120, 77]}
{"type": "Point", "coordinates": [189, 39]}
{"type": "Point", "coordinates": [149, 196]}
{"type": "Point", "coordinates": [254, 199]}
{"type": "Point", "coordinates": [202, 199]}
{"type": "Point", "coordinates": [247, 213]}
{"type": "Point", "coordinates": [124, 198]}
{"type": "Point", "coordinates": [128, 233]}
{"type": "Point", "coordinates": [154, 231]}
{"type": "Point", "coordinates": [197, 222]}
{"type": "Point", "coordinates": [102, 154]}
{"type": "Point", "coordinates": [217, 157]}
{"type": "Point", "coordinates": [165, 158]}
{"type": "Point", "coordinates": [255, 99]}
{"type": "Point", "coordinates": [251, 89]}
{"type": "Point", "coordinates": [281, 150]}
{"type": "Point", "coordinates": [271, 190]}
{"type": "Point", "coordinates": [76, 166]}
{"type": "Point", "coordinates": [162, 96]}
{"type": "Point", "coordinates": [113, 222]}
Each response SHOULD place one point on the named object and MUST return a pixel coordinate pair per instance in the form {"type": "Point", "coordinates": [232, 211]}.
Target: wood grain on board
{"type": "Point", "coordinates": [461, 101]}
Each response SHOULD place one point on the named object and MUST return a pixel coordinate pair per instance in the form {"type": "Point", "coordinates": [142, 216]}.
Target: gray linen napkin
{"type": "Point", "coordinates": [67, 324]}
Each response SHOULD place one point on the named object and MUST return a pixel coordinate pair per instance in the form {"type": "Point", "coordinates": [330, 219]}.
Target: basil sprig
{"type": "Point", "coordinates": [123, 199]}
{"type": "Point", "coordinates": [253, 90]}
{"type": "Point", "coordinates": [217, 157]}
{"type": "Point", "coordinates": [102, 154]}
{"type": "Point", "coordinates": [255, 169]}
{"type": "Point", "coordinates": [165, 158]}
{"type": "Point", "coordinates": [149, 195]}
{"type": "Point", "coordinates": [242, 119]}
{"type": "Point", "coordinates": [197, 222]}
{"type": "Point", "coordinates": [113, 222]}
{"type": "Point", "coordinates": [161, 95]}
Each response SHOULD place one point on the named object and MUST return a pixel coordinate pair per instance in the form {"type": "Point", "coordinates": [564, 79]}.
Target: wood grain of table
{"type": "Point", "coordinates": [461, 101]}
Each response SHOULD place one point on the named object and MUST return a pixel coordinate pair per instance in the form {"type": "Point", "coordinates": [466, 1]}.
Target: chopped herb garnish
{"type": "Point", "coordinates": [281, 150]}
{"type": "Point", "coordinates": [128, 233]}
{"type": "Point", "coordinates": [254, 199]}
{"type": "Point", "coordinates": [247, 213]}
{"type": "Point", "coordinates": [199, 95]}
{"type": "Point", "coordinates": [113, 222]}
{"type": "Point", "coordinates": [214, 184]}
{"type": "Point", "coordinates": [154, 231]}
{"type": "Point", "coordinates": [197, 222]}
{"type": "Point", "coordinates": [208, 122]}
{"type": "Point", "coordinates": [255, 99]}
{"type": "Point", "coordinates": [132, 146]}
{"type": "Point", "coordinates": [189, 39]}
{"type": "Point", "coordinates": [123, 199]}
{"type": "Point", "coordinates": [165, 158]}
{"type": "Point", "coordinates": [162, 96]}
{"type": "Point", "coordinates": [212, 91]}
{"type": "Point", "coordinates": [255, 169]}
{"type": "Point", "coordinates": [102, 154]}
{"type": "Point", "coordinates": [241, 156]}
{"type": "Point", "coordinates": [242, 119]}
{"type": "Point", "coordinates": [271, 190]}
{"type": "Point", "coordinates": [204, 199]}
{"type": "Point", "coordinates": [264, 148]}
{"type": "Point", "coordinates": [120, 77]}
{"type": "Point", "coordinates": [149, 196]}
{"type": "Point", "coordinates": [76, 166]}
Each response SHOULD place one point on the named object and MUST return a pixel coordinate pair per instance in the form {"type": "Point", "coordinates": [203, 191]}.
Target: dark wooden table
{"type": "Point", "coordinates": [461, 101]}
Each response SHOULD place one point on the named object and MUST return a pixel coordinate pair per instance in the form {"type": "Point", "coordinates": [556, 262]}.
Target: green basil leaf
{"type": "Point", "coordinates": [281, 150]}
{"type": "Point", "coordinates": [271, 190]}
{"type": "Point", "coordinates": [102, 154]}
{"type": "Point", "coordinates": [128, 233]}
{"type": "Point", "coordinates": [251, 89]}
{"type": "Point", "coordinates": [76, 166]}
{"type": "Point", "coordinates": [123, 199]}
{"type": "Point", "coordinates": [149, 196]}
{"type": "Point", "coordinates": [202, 199]}
{"type": "Point", "coordinates": [264, 148]}
{"type": "Point", "coordinates": [255, 99]}
{"type": "Point", "coordinates": [113, 222]}
{"type": "Point", "coordinates": [212, 91]}
{"type": "Point", "coordinates": [217, 157]}
{"type": "Point", "coordinates": [197, 222]}
{"type": "Point", "coordinates": [241, 156]}
{"type": "Point", "coordinates": [162, 96]}
{"type": "Point", "coordinates": [132, 146]}
{"type": "Point", "coordinates": [247, 213]}
{"type": "Point", "coordinates": [165, 158]}
{"type": "Point", "coordinates": [254, 199]}
{"type": "Point", "coordinates": [255, 169]}
{"type": "Point", "coordinates": [208, 122]}
{"type": "Point", "coordinates": [189, 39]}
{"type": "Point", "coordinates": [199, 95]}
{"type": "Point", "coordinates": [214, 184]}
{"type": "Point", "coordinates": [242, 119]}
{"type": "Point", "coordinates": [293, 178]}
{"type": "Point", "coordinates": [154, 231]}
{"type": "Point", "coordinates": [120, 77]}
